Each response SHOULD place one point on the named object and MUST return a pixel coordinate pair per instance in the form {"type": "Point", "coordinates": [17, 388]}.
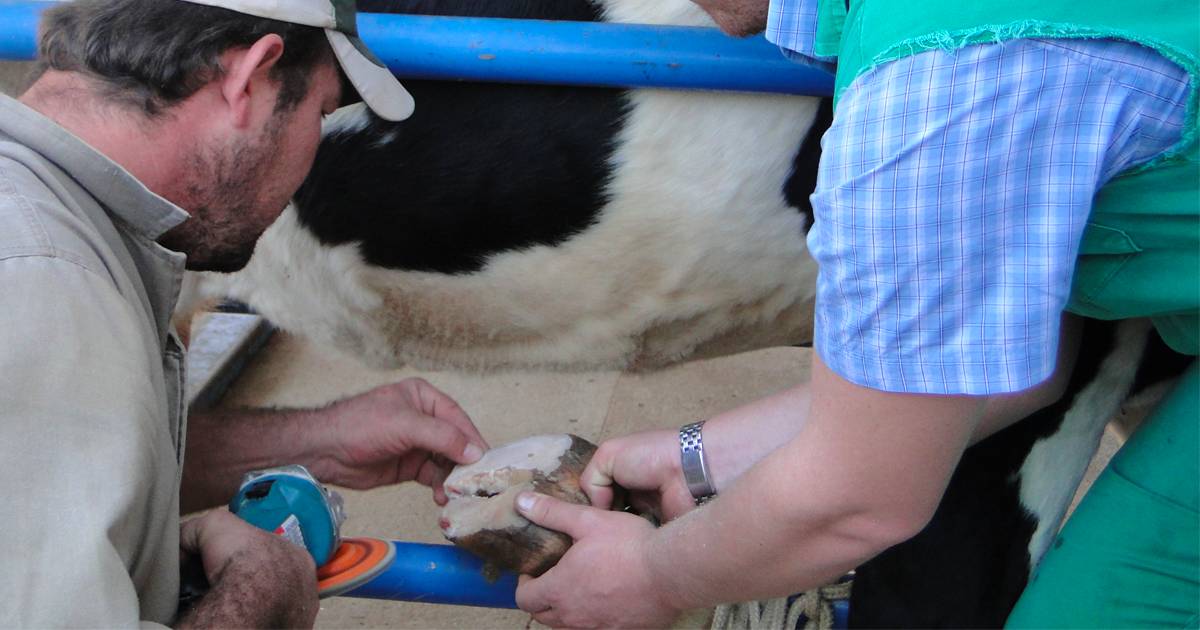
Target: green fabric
{"type": "Point", "coordinates": [1140, 254]}
{"type": "Point", "coordinates": [831, 18]}
{"type": "Point", "coordinates": [1130, 555]}
{"type": "Point", "coordinates": [878, 31]}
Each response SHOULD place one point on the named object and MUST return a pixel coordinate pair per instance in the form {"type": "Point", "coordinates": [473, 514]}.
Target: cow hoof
{"type": "Point", "coordinates": [481, 517]}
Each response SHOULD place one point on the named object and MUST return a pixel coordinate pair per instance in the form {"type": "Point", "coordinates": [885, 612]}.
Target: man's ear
{"type": "Point", "coordinates": [246, 73]}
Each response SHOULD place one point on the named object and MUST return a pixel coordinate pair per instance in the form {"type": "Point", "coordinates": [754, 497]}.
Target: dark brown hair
{"type": "Point", "coordinates": [153, 53]}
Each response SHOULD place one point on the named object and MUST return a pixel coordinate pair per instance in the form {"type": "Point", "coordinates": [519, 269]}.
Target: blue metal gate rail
{"type": "Point", "coordinates": [540, 51]}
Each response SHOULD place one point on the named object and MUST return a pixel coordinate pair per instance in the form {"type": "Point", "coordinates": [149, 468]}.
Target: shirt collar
{"type": "Point", "coordinates": [121, 193]}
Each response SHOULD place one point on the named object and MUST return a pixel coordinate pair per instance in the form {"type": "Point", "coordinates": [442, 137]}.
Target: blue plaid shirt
{"type": "Point", "coordinates": [952, 196]}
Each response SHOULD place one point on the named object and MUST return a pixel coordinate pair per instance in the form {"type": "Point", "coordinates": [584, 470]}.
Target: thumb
{"type": "Point", "coordinates": [189, 536]}
{"type": "Point", "coordinates": [551, 513]}
{"type": "Point", "coordinates": [598, 481]}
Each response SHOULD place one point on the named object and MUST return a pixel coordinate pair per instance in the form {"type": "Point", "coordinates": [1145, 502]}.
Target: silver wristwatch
{"type": "Point", "coordinates": [695, 467]}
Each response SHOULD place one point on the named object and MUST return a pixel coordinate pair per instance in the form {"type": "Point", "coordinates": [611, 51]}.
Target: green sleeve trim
{"type": "Point", "coordinates": [998, 33]}
{"type": "Point", "coordinates": [831, 19]}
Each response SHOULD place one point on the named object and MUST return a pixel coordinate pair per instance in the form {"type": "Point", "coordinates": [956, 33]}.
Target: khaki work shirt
{"type": "Point", "coordinates": [91, 380]}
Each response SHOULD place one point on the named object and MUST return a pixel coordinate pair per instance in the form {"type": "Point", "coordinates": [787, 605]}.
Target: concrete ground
{"type": "Point", "coordinates": [505, 407]}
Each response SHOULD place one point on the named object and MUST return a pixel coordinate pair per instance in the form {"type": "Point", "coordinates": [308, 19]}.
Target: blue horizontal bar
{"type": "Point", "coordinates": [18, 29]}
{"type": "Point", "coordinates": [583, 53]}
{"type": "Point", "coordinates": [445, 574]}
{"type": "Point", "coordinates": [541, 51]}
{"type": "Point", "coordinates": [439, 574]}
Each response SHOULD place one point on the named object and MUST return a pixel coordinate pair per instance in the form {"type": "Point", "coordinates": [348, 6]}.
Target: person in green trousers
{"type": "Point", "coordinates": [993, 169]}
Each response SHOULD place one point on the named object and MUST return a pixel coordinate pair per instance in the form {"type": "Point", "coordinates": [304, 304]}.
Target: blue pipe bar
{"type": "Point", "coordinates": [18, 29]}
{"type": "Point", "coordinates": [540, 51]}
{"type": "Point", "coordinates": [445, 574]}
{"type": "Point", "coordinates": [438, 574]}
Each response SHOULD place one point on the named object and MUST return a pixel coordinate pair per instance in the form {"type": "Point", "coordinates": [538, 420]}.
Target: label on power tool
{"type": "Point", "coordinates": [290, 530]}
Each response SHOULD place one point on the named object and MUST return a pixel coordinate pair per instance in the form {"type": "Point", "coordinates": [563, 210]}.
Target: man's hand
{"type": "Point", "coordinates": [401, 432]}
{"type": "Point", "coordinates": [648, 465]}
{"type": "Point", "coordinates": [739, 18]}
{"type": "Point", "coordinates": [603, 580]}
{"type": "Point", "coordinates": [258, 579]}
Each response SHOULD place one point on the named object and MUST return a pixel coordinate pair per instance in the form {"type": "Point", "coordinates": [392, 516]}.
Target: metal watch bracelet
{"type": "Point", "coordinates": [695, 467]}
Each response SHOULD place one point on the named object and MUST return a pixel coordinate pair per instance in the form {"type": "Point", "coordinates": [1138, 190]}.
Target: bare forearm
{"type": "Point", "coordinates": [738, 439]}
{"type": "Point", "coordinates": [748, 544]}
{"type": "Point", "coordinates": [403, 431]}
{"type": "Point", "coordinates": [223, 445]}
{"type": "Point", "coordinates": [866, 471]}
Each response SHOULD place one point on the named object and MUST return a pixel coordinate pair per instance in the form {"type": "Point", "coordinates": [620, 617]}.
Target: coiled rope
{"type": "Point", "coordinates": [784, 613]}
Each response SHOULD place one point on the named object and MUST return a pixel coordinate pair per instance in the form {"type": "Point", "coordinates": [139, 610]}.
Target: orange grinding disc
{"type": "Point", "coordinates": [354, 563]}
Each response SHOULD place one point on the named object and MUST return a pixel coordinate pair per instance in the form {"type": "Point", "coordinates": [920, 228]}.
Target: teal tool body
{"type": "Point", "coordinates": [290, 502]}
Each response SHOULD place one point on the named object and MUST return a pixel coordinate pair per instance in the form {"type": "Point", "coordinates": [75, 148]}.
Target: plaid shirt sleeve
{"type": "Point", "coordinates": [953, 192]}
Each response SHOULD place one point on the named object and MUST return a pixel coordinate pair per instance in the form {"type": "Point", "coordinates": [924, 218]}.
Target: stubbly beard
{"type": "Point", "coordinates": [223, 189]}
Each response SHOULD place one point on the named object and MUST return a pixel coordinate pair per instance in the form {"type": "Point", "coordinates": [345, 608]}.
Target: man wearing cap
{"type": "Point", "coordinates": [159, 134]}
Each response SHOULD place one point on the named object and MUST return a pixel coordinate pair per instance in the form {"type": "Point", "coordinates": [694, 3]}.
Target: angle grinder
{"type": "Point", "coordinates": [290, 502]}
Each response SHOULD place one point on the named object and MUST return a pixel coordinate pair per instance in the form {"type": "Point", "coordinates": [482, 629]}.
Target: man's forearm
{"type": "Point", "coordinates": [749, 545]}
{"type": "Point", "coordinates": [866, 471]}
{"type": "Point", "coordinates": [223, 445]}
{"type": "Point", "coordinates": [738, 439]}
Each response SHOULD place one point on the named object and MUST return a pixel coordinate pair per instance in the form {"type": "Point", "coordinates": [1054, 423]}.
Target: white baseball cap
{"type": "Point", "coordinates": [376, 84]}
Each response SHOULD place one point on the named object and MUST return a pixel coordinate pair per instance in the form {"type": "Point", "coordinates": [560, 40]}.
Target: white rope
{"type": "Point", "coordinates": [816, 606]}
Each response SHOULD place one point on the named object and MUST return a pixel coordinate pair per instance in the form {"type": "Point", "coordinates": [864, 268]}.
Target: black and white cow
{"type": "Point", "coordinates": [543, 226]}
{"type": "Point", "coordinates": [566, 228]}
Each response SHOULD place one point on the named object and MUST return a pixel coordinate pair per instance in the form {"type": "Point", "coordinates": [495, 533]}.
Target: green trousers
{"type": "Point", "coordinates": [1129, 557]}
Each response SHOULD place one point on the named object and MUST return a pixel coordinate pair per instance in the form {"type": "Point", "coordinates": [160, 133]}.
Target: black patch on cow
{"type": "Point", "coordinates": [477, 170]}
{"type": "Point", "coordinates": [967, 568]}
{"type": "Point", "coordinates": [803, 179]}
